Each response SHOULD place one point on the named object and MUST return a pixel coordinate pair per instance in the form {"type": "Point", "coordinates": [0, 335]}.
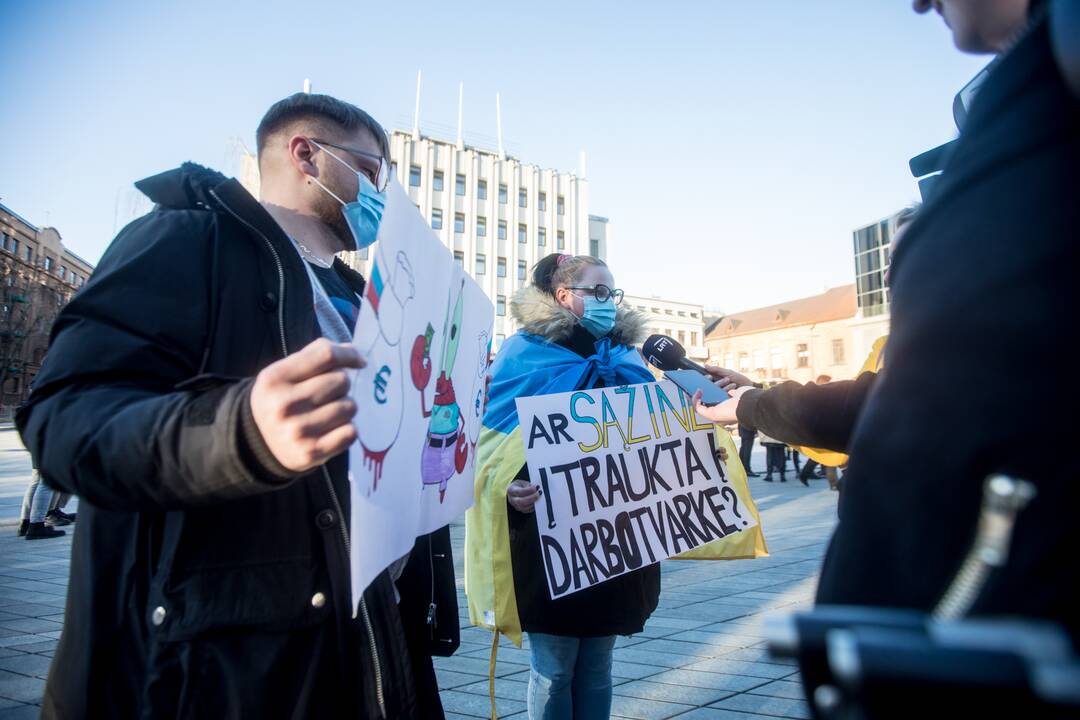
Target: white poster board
{"type": "Point", "coordinates": [628, 475]}
{"type": "Point", "coordinates": [425, 331]}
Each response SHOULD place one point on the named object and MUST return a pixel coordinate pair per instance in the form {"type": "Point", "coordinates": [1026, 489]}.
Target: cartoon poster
{"type": "Point", "coordinates": [425, 331]}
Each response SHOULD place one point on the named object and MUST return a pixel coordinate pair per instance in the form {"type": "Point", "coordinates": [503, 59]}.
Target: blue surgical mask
{"type": "Point", "coordinates": [599, 317]}
{"type": "Point", "coordinates": [364, 214]}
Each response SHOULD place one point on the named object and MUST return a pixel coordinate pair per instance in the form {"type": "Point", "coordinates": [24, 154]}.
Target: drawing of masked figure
{"type": "Point", "coordinates": [378, 336]}
{"type": "Point", "coordinates": [445, 450]}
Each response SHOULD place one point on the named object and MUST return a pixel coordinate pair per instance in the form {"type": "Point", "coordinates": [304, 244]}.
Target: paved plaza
{"type": "Point", "coordinates": [701, 656]}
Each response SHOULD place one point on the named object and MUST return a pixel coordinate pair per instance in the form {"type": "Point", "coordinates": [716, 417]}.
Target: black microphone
{"type": "Point", "coordinates": [664, 353]}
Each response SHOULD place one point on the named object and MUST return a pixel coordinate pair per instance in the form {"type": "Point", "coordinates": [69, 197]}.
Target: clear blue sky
{"type": "Point", "coordinates": [734, 145]}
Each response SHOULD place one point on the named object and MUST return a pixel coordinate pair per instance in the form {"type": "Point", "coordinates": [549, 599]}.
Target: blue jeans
{"type": "Point", "coordinates": [570, 678]}
{"type": "Point", "coordinates": [37, 500]}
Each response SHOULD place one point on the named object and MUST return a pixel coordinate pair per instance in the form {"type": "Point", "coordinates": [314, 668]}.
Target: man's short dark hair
{"type": "Point", "coordinates": [325, 113]}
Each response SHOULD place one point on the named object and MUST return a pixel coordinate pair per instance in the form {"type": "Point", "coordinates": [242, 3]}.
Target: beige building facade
{"type": "Point", "coordinates": [683, 321]}
{"type": "Point", "coordinates": [796, 340]}
{"type": "Point", "coordinates": [39, 276]}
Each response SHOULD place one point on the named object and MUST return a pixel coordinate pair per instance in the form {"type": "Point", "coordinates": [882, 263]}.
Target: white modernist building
{"type": "Point", "coordinates": [683, 321]}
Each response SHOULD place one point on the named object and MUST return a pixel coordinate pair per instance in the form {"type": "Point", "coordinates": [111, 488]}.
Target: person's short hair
{"type": "Point", "coordinates": [324, 113]}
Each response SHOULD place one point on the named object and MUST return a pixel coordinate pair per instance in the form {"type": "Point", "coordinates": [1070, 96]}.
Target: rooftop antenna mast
{"type": "Point", "coordinates": [416, 113]}
{"type": "Point", "coordinates": [307, 86]}
{"type": "Point", "coordinates": [460, 103]}
{"type": "Point", "coordinates": [498, 125]}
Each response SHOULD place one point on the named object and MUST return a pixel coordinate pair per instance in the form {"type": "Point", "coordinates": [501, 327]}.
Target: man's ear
{"type": "Point", "coordinates": [301, 155]}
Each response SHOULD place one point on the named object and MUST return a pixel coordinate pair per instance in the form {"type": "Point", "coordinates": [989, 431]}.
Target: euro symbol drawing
{"type": "Point", "coordinates": [381, 378]}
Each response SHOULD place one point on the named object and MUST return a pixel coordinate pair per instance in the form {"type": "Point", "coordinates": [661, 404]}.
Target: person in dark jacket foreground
{"type": "Point", "coordinates": [570, 303]}
{"type": "Point", "coordinates": [986, 274]}
{"type": "Point", "coordinates": [192, 403]}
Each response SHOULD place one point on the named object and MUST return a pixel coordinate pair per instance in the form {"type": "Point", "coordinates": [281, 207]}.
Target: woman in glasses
{"type": "Point", "coordinates": [573, 336]}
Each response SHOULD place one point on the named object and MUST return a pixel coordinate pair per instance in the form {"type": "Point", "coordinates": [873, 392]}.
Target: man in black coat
{"type": "Point", "coordinates": [984, 282]}
{"type": "Point", "coordinates": [190, 403]}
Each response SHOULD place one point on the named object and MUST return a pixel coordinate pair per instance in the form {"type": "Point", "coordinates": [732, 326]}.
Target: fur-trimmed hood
{"type": "Point", "coordinates": [536, 312]}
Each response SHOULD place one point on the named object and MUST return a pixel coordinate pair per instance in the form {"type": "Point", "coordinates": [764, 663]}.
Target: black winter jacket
{"type": "Point", "coordinates": [984, 298]}
{"type": "Point", "coordinates": [205, 581]}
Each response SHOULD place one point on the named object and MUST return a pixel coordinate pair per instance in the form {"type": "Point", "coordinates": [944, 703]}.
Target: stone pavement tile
{"type": "Point", "coordinates": [38, 647]}
{"type": "Point", "coordinates": [511, 654]}
{"type": "Point", "coordinates": [449, 679]}
{"type": "Point", "coordinates": [649, 656]}
{"type": "Point", "coordinates": [477, 666]}
{"type": "Point", "coordinates": [478, 705]}
{"type": "Point", "coordinates": [708, 680]}
{"type": "Point", "coordinates": [676, 623]}
{"type": "Point", "coordinates": [642, 709]}
{"type": "Point", "coordinates": [504, 688]}
{"type": "Point", "coordinates": [6, 704]}
{"type": "Point", "coordinates": [733, 638]}
{"type": "Point", "coordinates": [679, 647]}
{"type": "Point", "coordinates": [31, 625]}
{"type": "Point", "coordinates": [738, 667]}
{"type": "Point", "coordinates": [759, 654]}
{"type": "Point", "coordinates": [633, 671]}
{"type": "Point", "coordinates": [630, 640]}
{"type": "Point", "coordinates": [696, 614]}
{"type": "Point", "coordinates": [21, 687]}
{"type": "Point", "coordinates": [763, 705]}
{"type": "Point", "coordinates": [22, 712]}
{"type": "Point", "coordinates": [10, 652]}
{"type": "Point", "coordinates": [688, 694]}
{"type": "Point", "coordinates": [781, 688]}
{"type": "Point", "coordinates": [711, 713]}
{"type": "Point", "coordinates": [20, 641]}
{"type": "Point", "coordinates": [31, 665]}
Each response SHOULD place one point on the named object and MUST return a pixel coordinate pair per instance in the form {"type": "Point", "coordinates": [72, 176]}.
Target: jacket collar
{"type": "Point", "coordinates": [537, 313]}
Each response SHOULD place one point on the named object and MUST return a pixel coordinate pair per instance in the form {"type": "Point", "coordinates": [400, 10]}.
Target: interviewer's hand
{"type": "Point", "coordinates": [728, 380]}
{"type": "Point", "coordinates": [522, 495]}
{"type": "Point", "coordinates": [722, 413]}
{"type": "Point", "coordinates": [302, 407]}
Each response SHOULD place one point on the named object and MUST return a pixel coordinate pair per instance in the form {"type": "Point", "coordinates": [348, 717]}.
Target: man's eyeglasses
{"type": "Point", "coordinates": [373, 165]}
{"type": "Point", "coordinates": [600, 292]}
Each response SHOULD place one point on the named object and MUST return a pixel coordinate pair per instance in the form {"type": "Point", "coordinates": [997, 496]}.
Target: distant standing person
{"type": "Point", "coordinates": [746, 446]}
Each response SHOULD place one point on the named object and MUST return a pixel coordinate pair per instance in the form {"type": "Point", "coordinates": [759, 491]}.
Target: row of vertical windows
{"type": "Point", "coordinates": [437, 184]}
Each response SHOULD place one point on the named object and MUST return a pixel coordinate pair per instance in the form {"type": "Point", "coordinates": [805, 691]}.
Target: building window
{"type": "Point", "coordinates": [500, 267]}
{"type": "Point", "coordinates": [502, 194]}
{"type": "Point", "coordinates": [667, 311]}
{"type": "Point", "coordinates": [693, 338]}
{"type": "Point", "coordinates": [63, 273]}
{"type": "Point", "coordinates": [459, 222]}
{"type": "Point", "coordinates": [48, 263]}
{"type": "Point", "coordinates": [522, 268]}
{"type": "Point", "coordinates": [459, 258]}
{"type": "Point", "coordinates": [14, 246]}
{"type": "Point", "coordinates": [414, 175]}
{"type": "Point", "coordinates": [481, 264]}
{"type": "Point", "coordinates": [759, 359]}
{"type": "Point", "coordinates": [500, 305]}
{"type": "Point", "coordinates": [655, 311]}
{"type": "Point", "coordinates": [541, 237]}
{"type": "Point", "coordinates": [682, 337]}
{"type": "Point", "coordinates": [436, 219]}
{"type": "Point", "coordinates": [594, 247]}
{"type": "Point", "coordinates": [729, 360]}
{"type": "Point", "coordinates": [481, 227]}
{"type": "Point", "coordinates": [481, 189]}
{"type": "Point", "coordinates": [802, 353]}
{"type": "Point", "coordinates": [693, 314]}
{"type": "Point", "coordinates": [682, 313]}
{"type": "Point", "coordinates": [776, 358]}
{"type": "Point", "coordinates": [523, 198]}
{"type": "Point", "coordinates": [459, 185]}
{"type": "Point", "coordinates": [541, 202]}
{"type": "Point", "coordinates": [502, 229]}
{"type": "Point", "coordinates": [437, 181]}
{"type": "Point", "coordinates": [838, 351]}
{"type": "Point", "coordinates": [29, 254]}
{"type": "Point", "coordinates": [523, 233]}
{"type": "Point", "coordinates": [560, 205]}
{"type": "Point", "coordinates": [560, 240]}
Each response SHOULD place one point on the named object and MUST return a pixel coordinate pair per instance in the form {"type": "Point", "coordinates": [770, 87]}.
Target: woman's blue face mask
{"type": "Point", "coordinates": [364, 214]}
{"type": "Point", "coordinates": [598, 317]}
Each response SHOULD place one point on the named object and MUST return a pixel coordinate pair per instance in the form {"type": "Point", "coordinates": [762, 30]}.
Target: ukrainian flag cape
{"type": "Point", "coordinates": [529, 365]}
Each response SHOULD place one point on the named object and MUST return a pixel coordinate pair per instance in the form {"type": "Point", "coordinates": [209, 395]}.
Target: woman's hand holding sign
{"type": "Point", "coordinates": [522, 496]}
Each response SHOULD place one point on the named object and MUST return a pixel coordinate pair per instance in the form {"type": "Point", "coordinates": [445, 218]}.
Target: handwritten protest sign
{"type": "Point", "coordinates": [424, 330]}
{"type": "Point", "coordinates": [629, 476]}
